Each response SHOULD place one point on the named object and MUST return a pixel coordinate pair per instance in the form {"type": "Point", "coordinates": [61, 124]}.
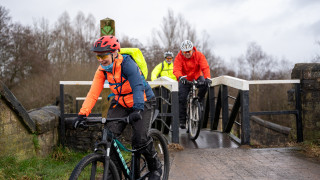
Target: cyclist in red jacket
{"type": "Point", "coordinates": [190, 65]}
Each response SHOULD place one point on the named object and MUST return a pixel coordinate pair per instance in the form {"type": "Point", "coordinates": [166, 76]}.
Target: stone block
{"type": "Point", "coordinates": [4, 113]}
{"type": "Point", "coordinates": [306, 71]}
{"type": "Point", "coordinates": [46, 118]}
{"type": "Point", "coordinates": [7, 129]}
{"type": "Point", "coordinates": [47, 141]}
{"type": "Point", "coordinates": [310, 84]}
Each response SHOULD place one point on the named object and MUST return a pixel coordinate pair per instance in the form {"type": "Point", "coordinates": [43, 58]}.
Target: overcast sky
{"type": "Point", "coordinates": [283, 28]}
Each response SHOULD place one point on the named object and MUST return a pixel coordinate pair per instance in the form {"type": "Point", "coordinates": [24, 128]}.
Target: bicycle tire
{"type": "Point", "coordinates": [195, 122]}
{"type": "Point", "coordinates": [188, 111]}
{"type": "Point", "coordinates": [84, 167]}
{"type": "Point", "coordinates": [161, 146]}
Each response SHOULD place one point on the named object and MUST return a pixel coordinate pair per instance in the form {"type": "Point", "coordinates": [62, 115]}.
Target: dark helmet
{"type": "Point", "coordinates": [106, 43]}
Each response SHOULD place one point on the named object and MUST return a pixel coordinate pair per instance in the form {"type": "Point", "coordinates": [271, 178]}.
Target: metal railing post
{"type": "Point", "coordinates": [62, 125]}
{"type": "Point", "coordinates": [225, 106]}
{"type": "Point", "coordinates": [175, 119]}
{"type": "Point", "coordinates": [245, 118]}
{"type": "Point", "coordinates": [298, 115]}
{"type": "Point", "coordinates": [214, 125]}
{"type": "Point", "coordinates": [212, 106]}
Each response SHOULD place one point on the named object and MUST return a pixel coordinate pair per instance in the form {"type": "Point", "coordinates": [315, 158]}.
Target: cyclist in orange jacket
{"type": "Point", "coordinates": [127, 83]}
{"type": "Point", "coordinates": [190, 65]}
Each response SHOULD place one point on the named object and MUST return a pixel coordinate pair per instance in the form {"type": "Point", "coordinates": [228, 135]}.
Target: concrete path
{"type": "Point", "coordinates": [237, 163]}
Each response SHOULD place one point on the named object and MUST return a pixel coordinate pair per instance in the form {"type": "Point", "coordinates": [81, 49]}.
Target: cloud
{"type": "Point", "coordinates": [281, 27]}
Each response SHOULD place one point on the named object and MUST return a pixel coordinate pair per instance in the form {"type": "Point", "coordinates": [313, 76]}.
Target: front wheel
{"type": "Point", "coordinates": [92, 167]}
{"type": "Point", "coordinates": [194, 123]}
{"type": "Point", "coordinates": [161, 146]}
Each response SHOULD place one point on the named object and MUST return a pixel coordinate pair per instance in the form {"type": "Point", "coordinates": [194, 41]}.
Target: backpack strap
{"type": "Point", "coordinates": [161, 69]}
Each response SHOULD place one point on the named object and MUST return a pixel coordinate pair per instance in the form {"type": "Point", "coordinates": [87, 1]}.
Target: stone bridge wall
{"type": "Point", "coordinates": [268, 133]}
{"type": "Point", "coordinates": [309, 74]}
{"type": "Point", "coordinates": [26, 134]}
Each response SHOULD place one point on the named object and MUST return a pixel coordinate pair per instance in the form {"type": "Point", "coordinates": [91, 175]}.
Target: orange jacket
{"type": "Point", "coordinates": [126, 97]}
{"type": "Point", "coordinates": [193, 68]}
{"type": "Point", "coordinates": [122, 92]}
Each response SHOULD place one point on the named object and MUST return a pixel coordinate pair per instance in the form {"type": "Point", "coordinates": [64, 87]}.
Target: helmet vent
{"type": "Point", "coordinates": [105, 42]}
{"type": "Point", "coordinates": [114, 45]}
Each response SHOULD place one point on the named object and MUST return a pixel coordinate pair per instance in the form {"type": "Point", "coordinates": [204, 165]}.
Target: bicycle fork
{"type": "Point", "coordinates": [107, 153]}
{"type": "Point", "coordinates": [106, 161]}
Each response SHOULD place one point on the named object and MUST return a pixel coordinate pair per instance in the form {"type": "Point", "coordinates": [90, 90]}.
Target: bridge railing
{"type": "Point", "coordinates": [241, 104]}
{"type": "Point", "coordinates": [162, 82]}
{"type": "Point", "coordinates": [213, 106]}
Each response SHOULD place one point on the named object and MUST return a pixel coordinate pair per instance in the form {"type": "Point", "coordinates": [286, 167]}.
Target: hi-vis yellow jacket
{"type": "Point", "coordinates": [163, 69]}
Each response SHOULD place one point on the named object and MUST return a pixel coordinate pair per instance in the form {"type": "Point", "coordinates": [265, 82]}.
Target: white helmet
{"type": "Point", "coordinates": [186, 45]}
{"type": "Point", "coordinates": [168, 53]}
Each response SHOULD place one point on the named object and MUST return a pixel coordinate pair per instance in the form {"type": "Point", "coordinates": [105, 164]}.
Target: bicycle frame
{"type": "Point", "coordinates": [108, 141]}
{"type": "Point", "coordinates": [138, 168]}
{"type": "Point", "coordinates": [192, 95]}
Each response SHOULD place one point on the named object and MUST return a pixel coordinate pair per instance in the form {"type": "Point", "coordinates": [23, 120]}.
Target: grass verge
{"type": "Point", "coordinates": [58, 165]}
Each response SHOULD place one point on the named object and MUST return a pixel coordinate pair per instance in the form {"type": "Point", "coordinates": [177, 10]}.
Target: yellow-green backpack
{"type": "Point", "coordinates": [137, 56]}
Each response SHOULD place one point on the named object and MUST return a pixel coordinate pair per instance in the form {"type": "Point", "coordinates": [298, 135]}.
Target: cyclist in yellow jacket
{"type": "Point", "coordinates": [164, 68]}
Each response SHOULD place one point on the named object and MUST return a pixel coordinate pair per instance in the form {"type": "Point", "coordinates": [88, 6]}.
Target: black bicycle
{"type": "Point", "coordinates": [98, 165]}
{"type": "Point", "coordinates": [194, 110]}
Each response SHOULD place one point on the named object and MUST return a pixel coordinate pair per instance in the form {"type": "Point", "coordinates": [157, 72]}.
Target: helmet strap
{"type": "Point", "coordinates": [112, 57]}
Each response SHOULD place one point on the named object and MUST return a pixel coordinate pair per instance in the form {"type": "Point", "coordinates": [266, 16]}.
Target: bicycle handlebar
{"type": "Point", "coordinates": [102, 121]}
{"type": "Point", "coordinates": [197, 83]}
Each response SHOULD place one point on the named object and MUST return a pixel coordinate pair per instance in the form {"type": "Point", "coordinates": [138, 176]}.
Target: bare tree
{"type": "Point", "coordinates": [24, 61]}
{"type": "Point", "coordinates": [127, 42]}
{"type": "Point", "coordinates": [168, 33]}
{"type": "Point", "coordinates": [63, 47]}
{"type": "Point", "coordinates": [255, 57]}
{"type": "Point", "coordinates": [85, 33]}
{"type": "Point", "coordinates": [256, 64]}
{"type": "Point", "coordinates": [43, 39]}
{"type": "Point", "coordinates": [316, 59]}
{"type": "Point", "coordinates": [5, 43]}
{"type": "Point", "coordinates": [174, 30]}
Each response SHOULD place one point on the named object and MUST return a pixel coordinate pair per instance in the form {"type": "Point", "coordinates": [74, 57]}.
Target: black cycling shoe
{"type": "Point", "coordinates": [155, 175]}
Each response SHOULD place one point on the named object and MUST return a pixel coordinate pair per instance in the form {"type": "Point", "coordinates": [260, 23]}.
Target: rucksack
{"type": "Point", "coordinates": [137, 56]}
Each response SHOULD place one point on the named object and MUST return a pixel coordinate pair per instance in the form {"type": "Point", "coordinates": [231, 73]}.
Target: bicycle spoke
{"type": "Point", "coordinates": [194, 120]}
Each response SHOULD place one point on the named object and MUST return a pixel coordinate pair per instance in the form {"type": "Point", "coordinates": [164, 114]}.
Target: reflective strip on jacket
{"type": "Point", "coordinates": [167, 70]}
{"type": "Point", "coordinates": [193, 68]}
{"type": "Point", "coordinates": [132, 87]}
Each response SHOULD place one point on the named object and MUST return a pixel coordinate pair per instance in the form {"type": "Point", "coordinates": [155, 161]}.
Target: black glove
{"type": "Point", "coordinates": [77, 121]}
{"type": "Point", "coordinates": [208, 82]}
{"type": "Point", "coordinates": [135, 115]}
{"type": "Point", "coordinates": [183, 79]}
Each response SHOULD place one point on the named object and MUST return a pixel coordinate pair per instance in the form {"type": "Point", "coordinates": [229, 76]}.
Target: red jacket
{"type": "Point", "coordinates": [193, 68]}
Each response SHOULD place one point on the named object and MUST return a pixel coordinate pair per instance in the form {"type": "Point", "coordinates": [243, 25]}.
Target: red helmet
{"type": "Point", "coordinates": [106, 43]}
